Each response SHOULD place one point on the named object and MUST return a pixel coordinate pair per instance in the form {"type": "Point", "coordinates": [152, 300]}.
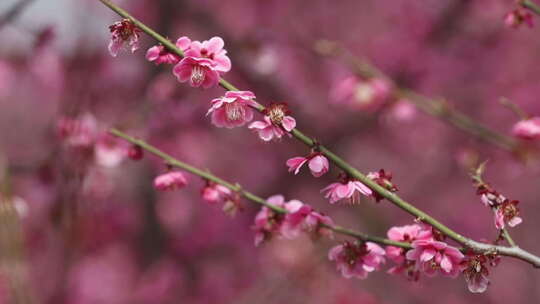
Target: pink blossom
{"type": "Point", "coordinates": [232, 110]}
{"type": "Point", "coordinates": [317, 163]}
{"type": "Point", "coordinates": [211, 49]}
{"type": "Point", "coordinates": [475, 272]}
{"type": "Point", "coordinates": [78, 132]}
{"type": "Point", "coordinates": [170, 181]}
{"type": "Point", "coordinates": [527, 129]}
{"type": "Point", "coordinates": [407, 234]}
{"type": "Point", "coordinates": [267, 130]}
{"type": "Point", "coordinates": [508, 213]}
{"type": "Point", "coordinates": [346, 189]}
{"type": "Point", "coordinates": [199, 72]}
{"type": "Point", "coordinates": [432, 256]}
{"type": "Point", "coordinates": [267, 221]}
{"type": "Point", "coordinates": [357, 259]}
{"type": "Point", "coordinates": [214, 193]}
{"type": "Point", "coordinates": [124, 34]}
{"type": "Point", "coordinates": [517, 17]}
{"type": "Point", "coordinates": [158, 54]}
{"type": "Point", "coordinates": [302, 218]}
{"type": "Point", "coordinates": [109, 152]}
{"type": "Point", "coordinates": [276, 122]}
{"type": "Point", "coordinates": [362, 94]}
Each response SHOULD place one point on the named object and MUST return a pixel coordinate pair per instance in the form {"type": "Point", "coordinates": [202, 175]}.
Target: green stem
{"type": "Point", "coordinates": [237, 188]}
{"type": "Point", "coordinates": [508, 238]}
{"type": "Point", "coordinates": [390, 196]}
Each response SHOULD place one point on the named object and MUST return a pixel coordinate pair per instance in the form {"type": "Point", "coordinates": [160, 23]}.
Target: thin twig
{"type": "Point", "coordinates": [248, 195]}
{"type": "Point", "coordinates": [437, 108]}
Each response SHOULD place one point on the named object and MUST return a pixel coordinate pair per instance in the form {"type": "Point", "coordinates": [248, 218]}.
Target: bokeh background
{"type": "Point", "coordinates": [90, 228]}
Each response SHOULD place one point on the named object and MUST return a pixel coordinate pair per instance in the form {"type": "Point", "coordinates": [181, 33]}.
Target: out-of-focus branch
{"type": "Point", "coordinates": [13, 12]}
{"type": "Point", "coordinates": [346, 167]}
{"type": "Point", "coordinates": [530, 5]}
{"type": "Point", "coordinates": [435, 107]}
{"type": "Point", "coordinates": [238, 189]}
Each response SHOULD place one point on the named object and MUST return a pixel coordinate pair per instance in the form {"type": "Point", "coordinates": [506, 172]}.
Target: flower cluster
{"type": "Point", "coordinates": [298, 218]}
{"type": "Point", "coordinates": [406, 234]}
{"type": "Point", "coordinates": [505, 210]}
{"type": "Point", "coordinates": [90, 141]}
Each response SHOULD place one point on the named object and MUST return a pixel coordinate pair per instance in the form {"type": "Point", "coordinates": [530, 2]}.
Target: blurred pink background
{"type": "Point", "coordinates": [92, 228]}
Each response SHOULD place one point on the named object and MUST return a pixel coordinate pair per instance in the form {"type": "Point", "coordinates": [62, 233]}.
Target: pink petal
{"type": "Point", "coordinates": [258, 125]}
{"type": "Point", "coordinates": [288, 123]}
{"type": "Point", "coordinates": [215, 44]}
{"type": "Point", "coordinates": [296, 163]}
{"type": "Point", "coordinates": [446, 264]}
{"type": "Point", "coordinates": [183, 43]}
{"type": "Point", "coordinates": [516, 220]}
{"type": "Point", "coordinates": [427, 255]}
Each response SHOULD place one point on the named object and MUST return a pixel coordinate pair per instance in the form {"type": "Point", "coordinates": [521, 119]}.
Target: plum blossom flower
{"type": "Point", "coordinates": [475, 270]}
{"type": "Point", "coordinates": [517, 17]}
{"type": "Point", "coordinates": [124, 35]}
{"type": "Point", "coordinates": [432, 256]}
{"type": "Point", "coordinates": [317, 163]}
{"type": "Point", "coordinates": [383, 179]}
{"type": "Point", "coordinates": [211, 49]}
{"type": "Point", "coordinates": [214, 193]}
{"type": "Point", "coordinates": [507, 213]}
{"type": "Point", "coordinates": [406, 234]}
{"type": "Point", "coordinates": [78, 132]}
{"type": "Point", "coordinates": [170, 181]}
{"type": "Point", "coordinates": [363, 94]}
{"type": "Point", "coordinates": [357, 259]}
{"type": "Point", "coordinates": [203, 63]}
{"type": "Point", "coordinates": [276, 122]}
{"type": "Point", "coordinates": [303, 218]}
{"type": "Point", "coordinates": [109, 152]}
{"type": "Point", "coordinates": [527, 129]}
{"type": "Point", "coordinates": [490, 197]}
{"type": "Point", "coordinates": [233, 109]}
{"type": "Point", "coordinates": [199, 72]}
{"type": "Point", "coordinates": [267, 221]}
{"type": "Point", "coordinates": [158, 54]}
{"type": "Point", "coordinates": [346, 188]}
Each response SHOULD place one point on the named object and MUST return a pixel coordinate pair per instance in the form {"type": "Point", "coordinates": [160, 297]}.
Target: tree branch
{"type": "Point", "coordinates": [248, 195]}
{"type": "Point", "coordinates": [342, 164]}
